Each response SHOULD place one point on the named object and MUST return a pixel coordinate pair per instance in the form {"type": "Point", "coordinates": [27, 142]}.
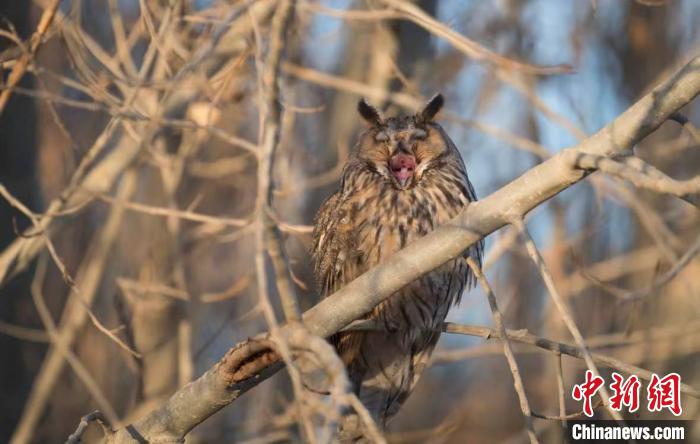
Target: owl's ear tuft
{"type": "Point", "coordinates": [369, 113]}
{"type": "Point", "coordinates": [431, 108]}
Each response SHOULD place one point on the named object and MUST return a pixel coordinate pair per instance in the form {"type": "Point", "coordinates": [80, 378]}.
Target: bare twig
{"type": "Point", "coordinates": [75, 313]}
{"type": "Point", "coordinates": [619, 339]}
{"type": "Point", "coordinates": [266, 230]}
{"type": "Point", "coordinates": [524, 337]}
{"type": "Point", "coordinates": [563, 308]}
{"type": "Point", "coordinates": [564, 417]}
{"type": "Point", "coordinates": [507, 350]}
{"type": "Point", "coordinates": [23, 333]}
{"type": "Point", "coordinates": [561, 391]}
{"type": "Point", "coordinates": [85, 421]}
{"type": "Point", "coordinates": [25, 59]}
{"type": "Point", "coordinates": [408, 11]}
{"type": "Point", "coordinates": [370, 425]}
{"type": "Point", "coordinates": [44, 385]}
{"type": "Point", "coordinates": [172, 212]}
{"type": "Point", "coordinates": [62, 267]}
{"type": "Point", "coordinates": [643, 176]}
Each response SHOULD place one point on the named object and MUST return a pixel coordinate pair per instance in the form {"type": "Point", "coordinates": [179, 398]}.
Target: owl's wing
{"type": "Point", "coordinates": [324, 250]}
{"type": "Point", "coordinates": [329, 249]}
{"type": "Point", "coordinates": [322, 223]}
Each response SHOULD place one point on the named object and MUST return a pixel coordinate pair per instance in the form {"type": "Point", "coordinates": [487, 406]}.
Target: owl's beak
{"type": "Point", "coordinates": [402, 167]}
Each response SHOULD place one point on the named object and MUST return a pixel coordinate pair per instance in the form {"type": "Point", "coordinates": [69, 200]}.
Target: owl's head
{"type": "Point", "coordinates": [402, 149]}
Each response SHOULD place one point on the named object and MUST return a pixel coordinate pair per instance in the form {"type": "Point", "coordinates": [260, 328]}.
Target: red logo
{"type": "Point", "coordinates": [665, 393]}
{"type": "Point", "coordinates": [584, 392]}
{"type": "Point", "coordinates": [625, 392]}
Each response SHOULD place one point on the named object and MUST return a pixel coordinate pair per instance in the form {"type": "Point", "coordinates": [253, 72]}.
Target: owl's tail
{"type": "Point", "coordinates": [384, 374]}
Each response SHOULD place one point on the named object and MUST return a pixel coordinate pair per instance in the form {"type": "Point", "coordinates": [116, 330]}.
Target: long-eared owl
{"type": "Point", "coordinates": [404, 178]}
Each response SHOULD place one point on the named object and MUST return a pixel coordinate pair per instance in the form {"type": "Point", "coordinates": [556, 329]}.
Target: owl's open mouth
{"type": "Point", "coordinates": [402, 167]}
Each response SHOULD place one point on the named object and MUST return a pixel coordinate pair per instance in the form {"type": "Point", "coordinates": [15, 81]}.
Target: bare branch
{"type": "Point", "coordinates": [643, 176]}
{"type": "Point", "coordinates": [408, 11]}
{"type": "Point", "coordinates": [560, 391]}
{"type": "Point", "coordinates": [524, 337]}
{"type": "Point", "coordinates": [85, 421]}
{"type": "Point", "coordinates": [564, 310]}
{"type": "Point", "coordinates": [73, 318]}
{"type": "Point", "coordinates": [25, 59]}
{"type": "Point", "coordinates": [507, 350]}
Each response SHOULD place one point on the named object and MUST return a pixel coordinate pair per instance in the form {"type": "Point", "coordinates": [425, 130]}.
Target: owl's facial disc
{"type": "Point", "coordinates": [402, 166]}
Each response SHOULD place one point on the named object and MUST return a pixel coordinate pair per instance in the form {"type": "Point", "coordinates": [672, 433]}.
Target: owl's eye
{"type": "Point", "coordinates": [419, 134]}
{"type": "Point", "coordinates": [381, 136]}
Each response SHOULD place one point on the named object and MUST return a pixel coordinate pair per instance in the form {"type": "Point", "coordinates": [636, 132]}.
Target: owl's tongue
{"type": "Point", "coordinates": [402, 167]}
